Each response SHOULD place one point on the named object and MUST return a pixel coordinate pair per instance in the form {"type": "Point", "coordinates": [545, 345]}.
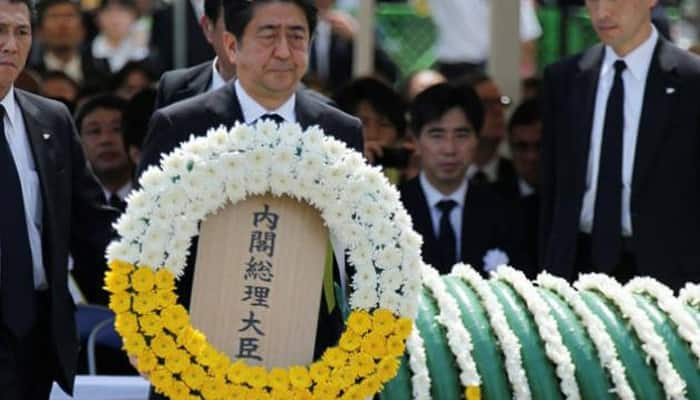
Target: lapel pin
{"type": "Point", "coordinates": [47, 135]}
{"type": "Point", "coordinates": [670, 90]}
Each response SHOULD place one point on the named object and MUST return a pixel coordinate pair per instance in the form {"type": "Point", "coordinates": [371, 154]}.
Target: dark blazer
{"type": "Point", "coordinates": [183, 83]}
{"type": "Point", "coordinates": [174, 124]}
{"type": "Point", "coordinates": [666, 172]}
{"type": "Point", "coordinates": [70, 197]}
{"type": "Point", "coordinates": [486, 224]}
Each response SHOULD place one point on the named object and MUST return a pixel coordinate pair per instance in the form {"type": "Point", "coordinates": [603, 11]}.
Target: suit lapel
{"type": "Point", "coordinates": [655, 111]}
{"type": "Point", "coordinates": [201, 81]}
{"type": "Point", "coordinates": [583, 106]}
{"type": "Point", "coordinates": [224, 107]}
{"type": "Point", "coordinates": [307, 112]}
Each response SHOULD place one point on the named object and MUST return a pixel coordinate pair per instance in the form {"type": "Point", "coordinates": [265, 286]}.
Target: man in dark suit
{"type": "Point", "coordinates": [210, 75]}
{"type": "Point", "coordinates": [621, 154]}
{"type": "Point", "coordinates": [48, 194]}
{"type": "Point", "coordinates": [459, 221]}
{"type": "Point", "coordinates": [268, 41]}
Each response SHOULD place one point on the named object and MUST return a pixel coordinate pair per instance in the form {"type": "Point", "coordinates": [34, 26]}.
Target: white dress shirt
{"type": "Point", "coordinates": [16, 135]}
{"type": "Point", "coordinates": [252, 110]}
{"type": "Point", "coordinates": [634, 79]}
{"type": "Point", "coordinates": [216, 80]}
{"type": "Point", "coordinates": [433, 196]}
{"type": "Point", "coordinates": [122, 192]}
{"type": "Point", "coordinates": [73, 68]}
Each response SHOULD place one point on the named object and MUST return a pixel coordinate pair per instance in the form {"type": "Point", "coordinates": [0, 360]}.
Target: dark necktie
{"type": "Point", "coordinates": [16, 276]}
{"type": "Point", "coordinates": [116, 202]}
{"type": "Point", "coordinates": [606, 246]}
{"type": "Point", "coordinates": [275, 117]}
{"type": "Point", "coordinates": [447, 237]}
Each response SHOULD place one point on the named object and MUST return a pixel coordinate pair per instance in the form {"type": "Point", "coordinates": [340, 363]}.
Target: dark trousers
{"type": "Point", "coordinates": [625, 270]}
{"type": "Point", "coordinates": [27, 364]}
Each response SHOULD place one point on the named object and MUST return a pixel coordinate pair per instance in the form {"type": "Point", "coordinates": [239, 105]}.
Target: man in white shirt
{"type": "Point", "coordinates": [47, 198]}
{"type": "Point", "coordinates": [459, 222]}
{"type": "Point", "coordinates": [621, 160]}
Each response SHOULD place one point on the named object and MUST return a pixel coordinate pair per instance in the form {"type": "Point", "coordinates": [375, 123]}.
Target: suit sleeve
{"type": "Point", "coordinates": [160, 139]}
{"type": "Point", "coordinates": [547, 164]}
{"type": "Point", "coordinates": [161, 96]}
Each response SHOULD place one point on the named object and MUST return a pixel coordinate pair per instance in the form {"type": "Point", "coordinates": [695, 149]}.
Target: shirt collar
{"type": "Point", "coordinates": [490, 169]}
{"type": "Point", "coordinates": [433, 196]}
{"type": "Point", "coordinates": [252, 110]}
{"type": "Point", "coordinates": [216, 80]}
{"type": "Point", "coordinates": [638, 60]}
{"type": "Point", "coordinates": [525, 188]}
{"type": "Point", "coordinates": [10, 104]}
{"type": "Point", "coordinates": [122, 192]}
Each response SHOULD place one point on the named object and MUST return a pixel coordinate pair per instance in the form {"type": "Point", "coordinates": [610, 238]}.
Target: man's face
{"type": "Point", "coordinates": [621, 24]}
{"type": "Point", "coordinates": [446, 147]}
{"type": "Point", "coordinates": [525, 148]}
{"type": "Point", "coordinates": [272, 55]}
{"type": "Point", "coordinates": [376, 127]}
{"type": "Point", "coordinates": [15, 41]}
{"type": "Point", "coordinates": [494, 127]}
{"type": "Point", "coordinates": [115, 21]}
{"type": "Point", "coordinates": [61, 27]}
{"type": "Point", "coordinates": [103, 143]}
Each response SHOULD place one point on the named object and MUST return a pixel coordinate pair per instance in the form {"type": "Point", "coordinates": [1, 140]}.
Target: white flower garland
{"type": "Point", "coordinates": [510, 344]}
{"type": "Point", "coordinates": [687, 327]}
{"type": "Point", "coordinates": [596, 331]}
{"type": "Point", "coordinates": [652, 343]}
{"type": "Point", "coordinates": [450, 317]}
{"type": "Point", "coordinates": [357, 203]}
{"type": "Point", "coordinates": [547, 328]}
{"type": "Point", "coordinates": [420, 379]}
{"type": "Point", "coordinates": [690, 295]}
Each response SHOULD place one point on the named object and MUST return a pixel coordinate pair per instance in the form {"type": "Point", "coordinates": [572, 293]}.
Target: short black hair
{"type": "Point", "coordinates": [527, 113]}
{"type": "Point", "coordinates": [136, 116]}
{"type": "Point", "coordinates": [212, 9]}
{"type": "Point", "coordinates": [120, 77]}
{"type": "Point", "coordinates": [432, 103]}
{"type": "Point", "coordinates": [103, 100]}
{"type": "Point", "coordinates": [124, 3]}
{"type": "Point", "coordinates": [239, 13]}
{"type": "Point", "coordinates": [379, 95]}
{"type": "Point", "coordinates": [31, 6]}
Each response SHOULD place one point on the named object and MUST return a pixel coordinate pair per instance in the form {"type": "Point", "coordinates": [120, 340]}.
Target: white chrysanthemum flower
{"type": "Point", "coordinates": [130, 227]}
{"type": "Point", "coordinates": [494, 258]}
{"type": "Point", "coordinates": [335, 176]}
{"type": "Point", "coordinates": [364, 277]}
{"type": "Point", "coordinates": [364, 298]}
{"type": "Point", "coordinates": [354, 161]}
{"type": "Point", "coordinates": [361, 256]}
{"type": "Point", "coordinates": [153, 179]}
{"type": "Point", "coordinates": [388, 258]}
{"type": "Point", "coordinates": [390, 300]}
{"type": "Point", "coordinates": [258, 160]}
{"type": "Point", "coordinates": [410, 239]}
{"type": "Point", "coordinates": [117, 250]}
{"type": "Point", "coordinates": [283, 159]}
{"type": "Point", "coordinates": [198, 146]}
{"type": "Point", "coordinates": [383, 232]}
{"type": "Point", "coordinates": [242, 137]}
{"type": "Point", "coordinates": [312, 139]}
{"type": "Point", "coordinates": [333, 149]}
{"type": "Point", "coordinates": [391, 279]}
{"type": "Point", "coordinates": [257, 183]}
{"type": "Point", "coordinates": [218, 138]}
{"type": "Point", "coordinates": [290, 134]}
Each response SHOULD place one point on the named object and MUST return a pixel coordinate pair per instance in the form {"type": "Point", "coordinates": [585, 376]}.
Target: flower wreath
{"type": "Point", "coordinates": [358, 205]}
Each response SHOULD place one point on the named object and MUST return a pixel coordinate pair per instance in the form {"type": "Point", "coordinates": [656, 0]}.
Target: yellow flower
{"type": "Point", "coordinates": [403, 327]}
{"type": "Point", "coordinates": [472, 392]}
{"type": "Point", "coordinates": [302, 394]}
{"type": "Point", "coordinates": [299, 377]}
{"type": "Point", "coordinates": [192, 339]}
{"type": "Point", "coordinates": [134, 344]}
{"type": "Point", "coordinates": [164, 279]}
{"type": "Point", "coordinates": [279, 378]}
{"type": "Point", "coordinates": [335, 357]}
{"type": "Point", "coordinates": [174, 317]}
{"type": "Point", "coordinates": [394, 346]}
{"type": "Point", "coordinates": [359, 322]}
{"type": "Point", "coordinates": [353, 394]}
{"type": "Point", "coordinates": [161, 379]}
{"type": "Point", "coordinates": [207, 356]}
{"type": "Point", "coordinates": [239, 393]}
{"type": "Point", "coordinates": [165, 298]}
{"type": "Point", "coordinates": [116, 282]}
{"type": "Point", "coordinates": [350, 341]}
{"type": "Point", "coordinates": [219, 365]}
{"type": "Point", "coordinates": [143, 279]}
{"type": "Point", "coordinates": [150, 324]}
{"type": "Point", "coordinates": [387, 368]}
{"type": "Point", "coordinates": [324, 391]}
{"type": "Point", "coordinates": [177, 361]}
{"type": "Point", "coordinates": [194, 376]}
{"type": "Point", "coordinates": [126, 323]}
{"type": "Point", "coordinates": [374, 344]}
{"type": "Point", "coordinates": [282, 394]}
{"type": "Point", "coordinates": [370, 386]}
{"type": "Point", "coordinates": [319, 371]}
{"type": "Point", "coordinates": [163, 345]}
{"type": "Point", "coordinates": [120, 302]}
{"type": "Point", "coordinates": [363, 363]}
{"type": "Point", "coordinates": [344, 377]}
{"type": "Point", "coordinates": [237, 372]}
{"type": "Point", "coordinates": [257, 377]}
{"type": "Point", "coordinates": [383, 322]}
{"type": "Point", "coordinates": [144, 302]}
{"type": "Point", "coordinates": [258, 394]}
{"type": "Point", "coordinates": [179, 390]}
{"type": "Point", "coordinates": [146, 362]}
{"type": "Point", "coordinates": [121, 267]}
{"type": "Point", "coordinates": [214, 389]}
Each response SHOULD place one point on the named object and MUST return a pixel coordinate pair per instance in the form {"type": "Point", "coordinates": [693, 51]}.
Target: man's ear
{"type": "Point", "coordinates": [207, 28]}
{"type": "Point", "coordinates": [230, 47]}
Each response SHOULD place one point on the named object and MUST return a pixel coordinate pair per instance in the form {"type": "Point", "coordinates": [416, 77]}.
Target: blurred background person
{"type": "Point", "coordinates": [420, 80]}
{"type": "Point", "coordinates": [135, 122]}
{"type": "Point", "coordinates": [59, 86]}
{"type": "Point", "coordinates": [133, 78]}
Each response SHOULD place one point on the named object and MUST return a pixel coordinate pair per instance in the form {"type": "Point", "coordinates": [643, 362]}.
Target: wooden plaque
{"type": "Point", "coordinates": [258, 280]}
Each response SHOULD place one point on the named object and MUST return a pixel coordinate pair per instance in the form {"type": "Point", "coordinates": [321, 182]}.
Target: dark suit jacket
{"type": "Point", "coordinates": [183, 83]}
{"type": "Point", "coordinates": [486, 224]}
{"type": "Point", "coordinates": [666, 172]}
{"type": "Point", "coordinates": [173, 124]}
{"type": "Point", "coordinates": [70, 197]}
